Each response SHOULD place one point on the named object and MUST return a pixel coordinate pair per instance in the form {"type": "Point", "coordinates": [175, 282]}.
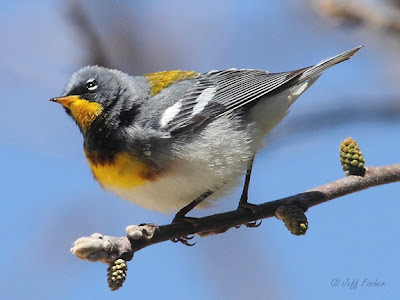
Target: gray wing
{"type": "Point", "coordinates": [218, 93]}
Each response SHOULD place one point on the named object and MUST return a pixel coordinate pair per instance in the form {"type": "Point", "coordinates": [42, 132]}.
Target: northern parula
{"type": "Point", "coordinates": [175, 140]}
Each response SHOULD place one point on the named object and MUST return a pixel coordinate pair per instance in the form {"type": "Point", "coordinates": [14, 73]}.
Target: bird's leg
{"type": "Point", "coordinates": [181, 217]}
{"type": "Point", "coordinates": [243, 198]}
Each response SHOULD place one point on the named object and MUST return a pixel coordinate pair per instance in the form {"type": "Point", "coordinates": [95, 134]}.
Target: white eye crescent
{"type": "Point", "coordinates": [91, 85]}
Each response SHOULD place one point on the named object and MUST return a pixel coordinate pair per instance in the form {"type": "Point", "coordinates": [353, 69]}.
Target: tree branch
{"type": "Point", "coordinates": [108, 248]}
{"type": "Point", "coordinates": [378, 14]}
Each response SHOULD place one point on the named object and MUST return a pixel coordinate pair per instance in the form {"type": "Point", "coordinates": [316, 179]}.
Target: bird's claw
{"type": "Point", "coordinates": [253, 208]}
{"type": "Point", "coordinates": [254, 224]}
{"type": "Point", "coordinates": [184, 240]}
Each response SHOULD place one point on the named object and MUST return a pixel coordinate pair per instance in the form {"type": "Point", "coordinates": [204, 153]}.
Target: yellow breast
{"type": "Point", "coordinates": [124, 171]}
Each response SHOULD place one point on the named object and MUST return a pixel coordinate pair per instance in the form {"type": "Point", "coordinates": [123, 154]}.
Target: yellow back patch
{"type": "Point", "coordinates": [160, 80]}
{"type": "Point", "coordinates": [85, 112]}
{"type": "Point", "coordinates": [123, 172]}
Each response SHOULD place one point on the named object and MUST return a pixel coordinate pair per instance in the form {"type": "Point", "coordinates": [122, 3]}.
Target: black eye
{"type": "Point", "coordinates": [91, 85]}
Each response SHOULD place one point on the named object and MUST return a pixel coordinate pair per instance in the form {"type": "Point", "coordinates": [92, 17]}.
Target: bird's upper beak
{"type": "Point", "coordinates": [66, 101]}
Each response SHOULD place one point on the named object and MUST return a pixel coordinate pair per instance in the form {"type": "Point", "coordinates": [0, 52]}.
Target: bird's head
{"type": "Point", "coordinates": [90, 92]}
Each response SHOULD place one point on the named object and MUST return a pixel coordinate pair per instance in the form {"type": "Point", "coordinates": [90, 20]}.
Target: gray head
{"type": "Point", "coordinates": [95, 84]}
{"type": "Point", "coordinates": [94, 91]}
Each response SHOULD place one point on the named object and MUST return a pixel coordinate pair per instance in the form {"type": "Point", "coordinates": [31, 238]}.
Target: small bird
{"type": "Point", "coordinates": [175, 140]}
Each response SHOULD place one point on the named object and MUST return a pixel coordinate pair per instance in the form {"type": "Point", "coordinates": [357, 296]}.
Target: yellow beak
{"type": "Point", "coordinates": [83, 111]}
{"type": "Point", "coordinates": [66, 101]}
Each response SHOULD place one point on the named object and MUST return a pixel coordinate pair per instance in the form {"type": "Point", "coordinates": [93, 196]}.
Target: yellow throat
{"type": "Point", "coordinates": [83, 111]}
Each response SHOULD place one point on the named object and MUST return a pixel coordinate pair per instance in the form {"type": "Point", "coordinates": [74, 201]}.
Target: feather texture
{"type": "Point", "coordinates": [237, 89]}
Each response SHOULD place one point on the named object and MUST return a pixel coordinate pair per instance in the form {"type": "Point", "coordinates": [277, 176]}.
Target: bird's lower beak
{"type": "Point", "coordinates": [66, 101]}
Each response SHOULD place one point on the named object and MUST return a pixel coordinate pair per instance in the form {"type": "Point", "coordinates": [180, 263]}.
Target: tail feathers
{"type": "Point", "coordinates": [327, 63]}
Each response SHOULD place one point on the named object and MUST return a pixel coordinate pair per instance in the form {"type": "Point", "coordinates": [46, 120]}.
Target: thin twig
{"type": "Point", "coordinates": [97, 54]}
{"type": "Point", "coordinates": [383, 15]}
{"type": "Point", "coordinates": [108, 248]}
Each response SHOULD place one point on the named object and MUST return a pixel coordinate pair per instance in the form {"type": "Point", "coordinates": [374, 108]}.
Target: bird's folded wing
{"type": "Point", "coordinates": [218, 93]}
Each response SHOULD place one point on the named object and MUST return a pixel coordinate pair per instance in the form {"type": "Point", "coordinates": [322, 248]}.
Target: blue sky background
{"type": "Point", "coordinates": [49, 197]}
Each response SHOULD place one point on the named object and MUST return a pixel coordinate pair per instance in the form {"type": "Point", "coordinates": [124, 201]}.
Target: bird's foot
{"type": "Point", "coordinates": [252, 208]}
{"type": "Point", "coordinates": [185, 239]}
